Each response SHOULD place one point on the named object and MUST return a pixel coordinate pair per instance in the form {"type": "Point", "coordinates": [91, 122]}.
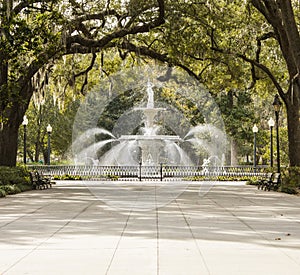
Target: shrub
{"type": "Point", "coordinates": [11, 189]}
{"type": "Point", "coordinates": [111, 177]}
{"type": "Point", "coordinates": [250, 179]}
{"type": "Point", "coordinates": [289, 190]}
{"type": "Point", "coordinates": [14, 180]}
{"type": "Point", "coordinates": [14, 175]}
{"type": "Point", "coordinates": [253, 181]}
{"type": "Point", "coordinates": [2, 193]}
{"type": "Point", "coordinates": [24, 187]}
{"type": "Point", "coordinates": [66, 177]}
{"type": "Point", "coordinates": [290, 180]}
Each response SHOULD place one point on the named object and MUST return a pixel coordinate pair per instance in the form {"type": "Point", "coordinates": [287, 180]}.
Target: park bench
{"type": "Point", "coordinates": [272, 181]}
{"type": "Point", "coordinates": [264, 181]}
{"type": "Point", "coordinates": [39, 181]}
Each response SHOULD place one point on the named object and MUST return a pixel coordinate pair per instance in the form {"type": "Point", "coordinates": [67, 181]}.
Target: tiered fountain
{"type": "Point", "coordinates": [151, 144]}
{"type": "Point", "coordinates": [147, 148]}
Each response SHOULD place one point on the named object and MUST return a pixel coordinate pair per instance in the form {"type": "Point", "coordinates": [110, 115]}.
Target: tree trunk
{"type": "Point", "coordinates": [294, 137]}
{"type": "Point", "coordinates": [45, 155]}
{"type": "Point", "coordinates": [8, 144]}
{"type": "Point", "coordinates": [12, 117]}
{"type": "Point", "coordinates": [37, 152]}
{"type": "Point", "coordinates": [233, 153]}
{"type": "Point", "coordinates": [293, 109]}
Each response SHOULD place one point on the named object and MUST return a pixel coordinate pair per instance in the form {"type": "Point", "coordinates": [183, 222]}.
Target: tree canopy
{"type": "Point", "coordinates": [36, 33]}
{"type": "Point", "coordinates": [240, 50]}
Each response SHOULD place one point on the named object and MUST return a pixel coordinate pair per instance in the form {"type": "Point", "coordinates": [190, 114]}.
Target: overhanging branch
{"type": "Point", "coordinates": [85, 72]}
{"type": "Point", "coordinates": [256, 64]}
{"type": "Point", "coordinates": [266, 70]}
{"type": "Point", "coordinates": [29, 4]}
{"type": "Point", "coordinates": [119, 33]}
{"type": "Point", "coordinates": [155, 55]}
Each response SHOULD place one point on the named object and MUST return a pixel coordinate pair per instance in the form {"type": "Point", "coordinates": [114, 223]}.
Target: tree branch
{"type": "Point", "coordinates": [155, 55]}
{"type": "Point", "coordinates": [88, 68]}
{"type": "Point", "coordinates": [266, 70]}
{"type": "Point", "coordinates": [256, 64]}
{"type": "Point", "coordinates": [85, 72]}
{"type": "Point", "coordinates": [29, 4]}
{"type": "Point", "coordinates": [90, 43]}
{"type": "Point", "coordinates": [257, 56]}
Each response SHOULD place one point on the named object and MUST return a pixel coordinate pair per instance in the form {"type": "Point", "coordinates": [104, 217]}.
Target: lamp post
{"type": "Point", "coordinates": [271, 123]}
{"type": "Point", "coordinates": [49, 130]}
{"type": "Point", "coordinates": [254, 130]}
{"type": "Point", "coordinates": [25, 123]}
{"type": "Point", "coordinates": [277, 107]}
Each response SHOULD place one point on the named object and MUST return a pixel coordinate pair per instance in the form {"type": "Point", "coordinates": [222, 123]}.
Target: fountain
{"type": "Point", "coordinates": [151, 144]}
{"type": "Point", "coordinates": [148, 148]}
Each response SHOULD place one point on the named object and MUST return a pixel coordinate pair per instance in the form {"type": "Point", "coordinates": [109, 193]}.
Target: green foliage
{"type": "Point", "coordinates": [209, 38]}
{"type": "Point", "coordinates": [185, 106]}
{"type": "Point", "coordinates": [249, 179]}
{"type": "Point", "coordinates": [118, 106]}
{"type": "Point", "coordinates": [66, 177]}
{"type": "Point", "coordinates": [238, 117]}
{"type": "Point", "coordinates": [11, 189]}
{"type": "Point", "coordinates": [253, 181]}
{"type": "Point", "coordinates": [289, 190]}
{"type": "Point", "coordinates": [36, 36]}
{"type": "Point", "coordinates": [290, 180]}
{"type": "Point", "coordinates": [39, 116]}
{"type": "Point", "coordinates": [2, 193]}
{"type": "Point", "coordinates": [111, 177]}
{"type": "Point", "coordinates": [127, 100]}
{"type": "Point", "coordinates": [14, 175]}
{"type": "Point", "coordinates": [14, 189]}
{"type": "Point", "coordinates": [71, 177]}
{"type": "Point", "coordinates": [14, 180]}
{"type": "Point", "coordinates": [24, 187]}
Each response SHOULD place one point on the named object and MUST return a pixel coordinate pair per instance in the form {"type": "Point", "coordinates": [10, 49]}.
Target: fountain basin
{"type": "Point", "coordinates": [151, 138]}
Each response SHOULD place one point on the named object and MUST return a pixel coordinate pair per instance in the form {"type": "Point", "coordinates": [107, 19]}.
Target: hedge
{"type": "Point", "coordinates": [14, 180]}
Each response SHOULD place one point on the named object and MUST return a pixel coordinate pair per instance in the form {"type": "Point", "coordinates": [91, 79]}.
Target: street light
{"type": "Point", "coordinates": [49, 130]}
{"type": "Point", "coordinates": [277, 107]}
{"type": "Point", "coordinates": [271, 123]}
{"type": "Point", "coordinates": [254, 130]}
{"type": "Point", "coordinates": [25, 123]}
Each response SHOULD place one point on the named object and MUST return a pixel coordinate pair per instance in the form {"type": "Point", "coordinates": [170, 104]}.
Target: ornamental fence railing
{"type": "Point", "coordinates": [140, 172]}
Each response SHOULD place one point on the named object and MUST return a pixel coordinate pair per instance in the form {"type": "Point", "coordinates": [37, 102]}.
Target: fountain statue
{"type": "Point", "coordinates": [150, 103]}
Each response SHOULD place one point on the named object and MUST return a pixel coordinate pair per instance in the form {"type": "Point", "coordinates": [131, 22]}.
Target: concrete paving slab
{"type": "Point", "coordinates": [150, 228]}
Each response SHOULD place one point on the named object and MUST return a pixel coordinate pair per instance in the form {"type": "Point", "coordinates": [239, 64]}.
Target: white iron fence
{"type": "Point", "coordinates": [140, 172]}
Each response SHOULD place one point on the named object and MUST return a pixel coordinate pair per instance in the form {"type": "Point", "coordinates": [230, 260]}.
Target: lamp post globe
{"type": "Point", "coordinates": [49, 129]}
{"type": "Point", "coordinates": [271, 122]}
{"type": "Point", "coordinates": [25, 121]}
{"type": "Point", "coordinates": [255, 129]}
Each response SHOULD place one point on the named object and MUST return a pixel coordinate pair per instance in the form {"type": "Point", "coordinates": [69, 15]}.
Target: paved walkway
{"type": "Point", "coordinates": [148, 228]}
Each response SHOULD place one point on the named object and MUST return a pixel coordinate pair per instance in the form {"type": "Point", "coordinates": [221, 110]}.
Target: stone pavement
{"type": "Point", "coordinates": [150, 228]}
